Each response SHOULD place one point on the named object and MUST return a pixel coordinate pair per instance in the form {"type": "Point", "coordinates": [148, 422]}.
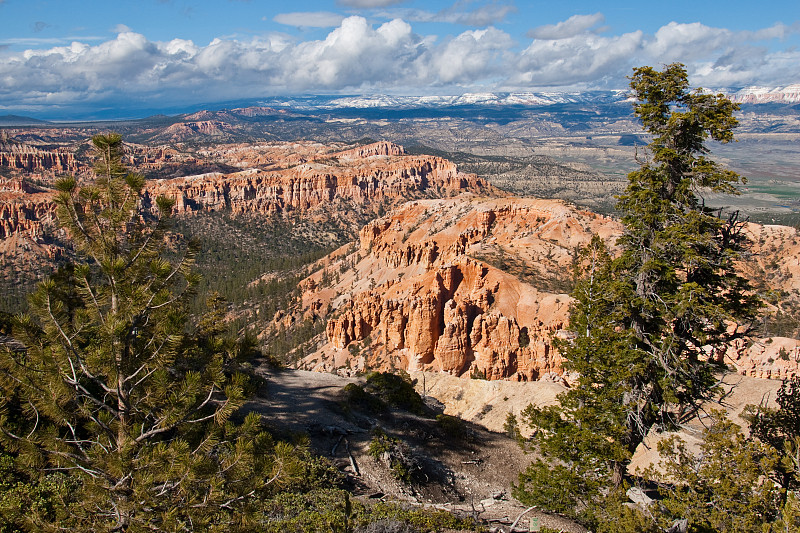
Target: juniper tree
{"type": "Point", "coordinates": [723, 486]}
{"type": "Point", "coordinates": [779, 429]}
{"type": "Point", "coordinates": [117, 389]}
{"type": "Point", "coordinates": [647, 321]}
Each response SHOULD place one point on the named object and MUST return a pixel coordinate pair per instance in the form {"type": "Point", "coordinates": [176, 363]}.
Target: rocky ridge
{"type": "Point", "coordinates": [414, 294]}
{"type": "Point", "coordinates": [17, 156]}
{"type": "Point", "coordinates": [470, 287]}
{"type": "Point", "coordinates": [373, 174]}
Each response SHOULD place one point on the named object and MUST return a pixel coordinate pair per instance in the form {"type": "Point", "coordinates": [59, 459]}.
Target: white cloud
{"type": "Point", "coordinates": [313, 19]}
{"type": "Point", "coordinates": [571, 27]}
{"type": "Point", "coordinates": [354, 54]}
{"type": "Point", "coordinates": [390, 57]}
{"type": "Point", "coordinates": [472, 56]}
{"type": "Point", "coordinates": [687, 42]}
{"type": "Point", "coordinates": [580, 59]}
{"type": "Point", "coordinates": [121, 28]}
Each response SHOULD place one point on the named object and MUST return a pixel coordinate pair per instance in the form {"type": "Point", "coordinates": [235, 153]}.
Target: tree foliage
{"type": "Point", "coordinates": [779, 429]}
{"type": "Point", "coordinates": [118, 390]}
{"type": "Point", "coordinates": [647, 320]}
{"type": "Point", "coordinates": [723, 486]}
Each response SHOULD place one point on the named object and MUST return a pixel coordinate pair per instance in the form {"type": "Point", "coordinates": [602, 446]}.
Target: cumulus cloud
{"type": "Point", "coordinates": [573, 53]}
{"type": "Point", "coordinates": [121, 28]}
{"type": "Point", "coordinates": [313, 19]}
{"type": "Point", "coordinates": [571, 27]}
{"type": "Point", "coordinates": [578, 59]}
{"type": "Point", "coordinates": [390, 57]}
{"type": "Point", "coordinates": [472, 56]}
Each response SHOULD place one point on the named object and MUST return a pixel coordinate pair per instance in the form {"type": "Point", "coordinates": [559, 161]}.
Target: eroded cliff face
{"type": "Point", "coordinates": [24, 210]}
{"type": "Point", "coordinates": [369, 175]}
{"type": "Point", "coordinates": [16, 156]}
{"type": "Point", "coordinates": [418, 297]}
{"type": "Point", "coordinates": [297, 178]}
{"type": "Point", "coordinates": [472, 286]}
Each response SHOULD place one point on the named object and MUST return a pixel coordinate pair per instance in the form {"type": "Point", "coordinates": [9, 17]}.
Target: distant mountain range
{"type": "Point", "coordinates": [766, 95]}
{"type": "Point", "coordinates": [749, 95]}
{"type": "Point", "coordinates": [466, 99]}
{"type": "Point", "coordinates": [16, 120]}
{"type": "Point", "coordinates": [788, 95]}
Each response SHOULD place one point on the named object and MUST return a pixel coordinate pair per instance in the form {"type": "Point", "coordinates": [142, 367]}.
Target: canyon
{"type": "Point", "coordinates": [475, 287]}
{"type": "Point", "coordinates": [450, 275]}
{"type": "Point", "coordinates": [276, 179]}
{"type": "Point", "coordinates": [18, 156]}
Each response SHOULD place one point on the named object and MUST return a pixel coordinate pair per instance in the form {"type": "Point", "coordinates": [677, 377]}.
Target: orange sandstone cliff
{"type": "Point", "coordinates": [416, 294]}
{"type": "Point", "coordinates": [475, 287]}
{"type": "Point", "coordinates": [294, 177]}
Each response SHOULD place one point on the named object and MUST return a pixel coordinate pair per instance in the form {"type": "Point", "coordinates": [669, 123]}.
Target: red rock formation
{"type": "Point", "coordinates": [23, 211]}
{"type": "Point", "coordinates": [299, 188]}
{"type": "Point", "coordinates": [449, 319]}
{"type": "Point", "coordinates": [450, 312]}
{"type": "Point", "coordinates": [433, 306]}
{"type": "Point", "coordinates": [309, 185]}
{"type": "Point", "coordinates": [370, 150]}
{"type": "Point", "coordinates": [193, 128]}
{"type": "Point", "coordinates": [22, 157]}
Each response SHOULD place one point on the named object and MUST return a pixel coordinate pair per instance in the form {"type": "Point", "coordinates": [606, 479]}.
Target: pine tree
{"type": "Point", "coordinates": [647, 321]}
{"type": "Point", "coordinates": [117, 389]}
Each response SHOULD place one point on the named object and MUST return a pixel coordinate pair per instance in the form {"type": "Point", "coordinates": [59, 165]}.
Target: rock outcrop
{"type": "Point", "coordinates": [472, 286]}
{"type": "Point", "coordinates": [422, 300]}
{"type": "Point", "coordinates": [23, 210]}
{"type": "Point", "coordinates": [770, 358]}
{"type": "Point", "coordinates": [369, 176]}
{"type": "Point", "coordinates": [24, 158]}
{"type": "Point", "coordinates": [370, 150]}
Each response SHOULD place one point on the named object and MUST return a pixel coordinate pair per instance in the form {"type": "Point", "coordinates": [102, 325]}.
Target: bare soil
{"type": "Point", "coordinates": [468, 473]}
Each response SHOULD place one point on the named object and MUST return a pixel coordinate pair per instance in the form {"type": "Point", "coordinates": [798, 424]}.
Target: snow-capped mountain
{"type": "Point", "coordinates": [764, 95]}
{"type": "Point", "coordinates": [466, 99]}
{"type": "Point", "coordinates": [789, 94]}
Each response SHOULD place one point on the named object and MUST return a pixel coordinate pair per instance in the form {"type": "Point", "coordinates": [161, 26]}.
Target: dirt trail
{"type": "Point", "coordinates": [469, 474]}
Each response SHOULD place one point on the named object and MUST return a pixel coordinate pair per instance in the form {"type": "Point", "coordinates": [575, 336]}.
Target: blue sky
{"type": "Point", "coordinates": [61, 55]}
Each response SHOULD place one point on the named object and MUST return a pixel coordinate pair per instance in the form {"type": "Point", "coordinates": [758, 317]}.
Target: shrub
{"type": "Point", "coordinates": [511, 427]}
{"type": "Point", "coordinates": [356, 397]}
{"type": "Point", "coordinates": [396, 455]}
{"type": "Point", "coordinates": [477, 373]}
{"type": "Point", "coordinates": [451, 426]}
{"type": "Point", "coordinates": [327, 510]}
{"type": "Point", "coordinates": [397, 390]}
{"type": "Point", "coordinates": [381, 443]}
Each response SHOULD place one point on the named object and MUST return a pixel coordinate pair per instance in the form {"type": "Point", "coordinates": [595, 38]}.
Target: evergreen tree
{"type": "Point", "coordinates": [647, 321]}
{"type": "Point", "coordinates": [723, 486]}
{"type": "Point", "coordinates": [779, 429]}
{"type": "Point", "coordinates": [117, 389]}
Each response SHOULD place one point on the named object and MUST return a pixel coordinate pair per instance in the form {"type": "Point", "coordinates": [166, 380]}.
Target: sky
{"type": "Point", "coordinates": [59, 56]}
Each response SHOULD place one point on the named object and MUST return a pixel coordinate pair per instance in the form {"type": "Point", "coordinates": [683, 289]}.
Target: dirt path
{"type": "Point", "coordinates": [470, 474]}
